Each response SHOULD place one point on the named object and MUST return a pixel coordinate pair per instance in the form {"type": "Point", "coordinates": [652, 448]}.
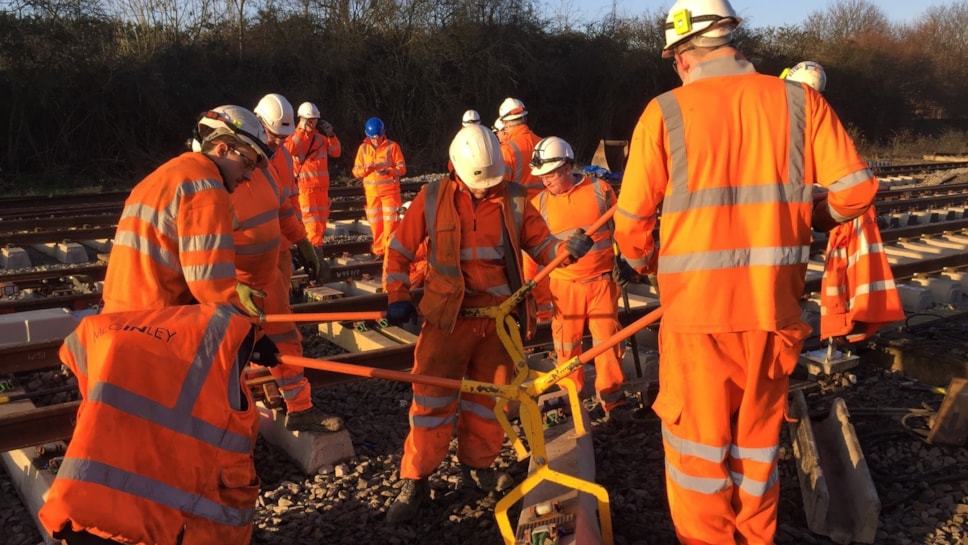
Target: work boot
{"type": "Point", "coordinates": [621, 414]}
{"type": "Point", "coordinates": [487, 479]}
{"type": "Point", "coordinates": [413, 494]}
{"type": "Point", "coordinates": [314, 420]}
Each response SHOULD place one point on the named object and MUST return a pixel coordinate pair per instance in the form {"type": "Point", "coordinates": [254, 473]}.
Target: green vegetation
{"type": "Point", "coordinates": [96, 93]}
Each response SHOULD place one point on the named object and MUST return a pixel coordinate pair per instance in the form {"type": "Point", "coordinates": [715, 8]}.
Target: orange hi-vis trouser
{"type": "Point", "coordinates": [383, 214]}
{"type": "Point", "coordinates": [472, 350]}
{"type": "Point", "coordinates": [541, 292]}
{"type": "Point", "coordinates": [595, 301]}
{"type": "Point", "coordinates": [314, 209]}
{"type": "Point", "coordinates": [290, 379]}
{"type": "Point", "coordinates": [722, 400]}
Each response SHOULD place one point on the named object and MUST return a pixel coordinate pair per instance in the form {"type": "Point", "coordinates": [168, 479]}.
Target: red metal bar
{"type": "Point", "coordinates": [543, 273]}
{"type": "Point", "coordinates": [620, 335]}
{"type": "Point", "coordinates": [324, 317]}
{"type": "Point", "coordinates": [361, 371]}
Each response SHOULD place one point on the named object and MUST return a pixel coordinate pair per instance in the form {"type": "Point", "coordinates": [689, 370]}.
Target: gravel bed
{"type": "Point", "coordinates": [923, 488]}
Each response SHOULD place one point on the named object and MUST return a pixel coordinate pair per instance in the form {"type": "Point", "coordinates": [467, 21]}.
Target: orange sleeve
{"type": "Point", "coordinates": [359, 164]}
{"type": "Point", "coordinates": [206, 247]}
{"type": "Point", "coordinates": [404, 247]}
{"type": "Point", "coordinates": [396, 157]}
{"type": "Point", "coordinates": [536, 239]}
{"type": "Point", "coordinates": [643, 188]}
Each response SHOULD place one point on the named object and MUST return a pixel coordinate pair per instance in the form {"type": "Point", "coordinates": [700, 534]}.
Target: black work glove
{"type": "Point", "coordinates": [264, 352]}
{"type": "Point", "coordinates": [578, 244]}
{"type": "Point", "coordinates": [400, 312]}
{"type": "Point", "coordinates": [622, 273]}
{"type": "Point", "coordinates": [821, 221]}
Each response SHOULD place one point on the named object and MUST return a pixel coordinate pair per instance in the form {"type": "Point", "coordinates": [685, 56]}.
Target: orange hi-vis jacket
{"type": "Point", "coordinates": [387, 160]}
{"type": "Point", "coordinates": [568, 212]}
{"type": "Point", "coordinates": [468, 261]}
{"type": "Point", "coordinates": [174, 243]}
{"type": "Point", "coordinates": [260, 231]}
{"type": "Point", "coordinates": [282, 170]}
{"type": "Point", "coordinates": [162, 449]}
{"type": "Point", "coordinates": [311, 151]}
{"type": "Point", "coordinates": [517, 150]}
{"type": "Point", "coordinates": [858, 287]}
{"type": "Point", "coordinates": [735, 229]}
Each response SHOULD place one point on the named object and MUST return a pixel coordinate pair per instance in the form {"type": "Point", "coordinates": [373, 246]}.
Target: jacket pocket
{"type": "Point", "coordinates": [787, 345]}
{"type": "Point", "coordinates": [239, 485]}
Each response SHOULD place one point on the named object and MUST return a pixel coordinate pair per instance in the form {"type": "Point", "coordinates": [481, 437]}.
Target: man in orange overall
{"type": "Point", "coordinates": [379, 162]}
{"type": "Point", "coordinates": [311, 146]}
{"type": "Point", "coordinates": [585, 291]}
{"type": "Point", "coordinates": [174, 244]}
{"type": "Point", "coordinates": [517, 146]}
{"type": "Point", "coordinates": [477, 226]}
{"type": "Point", "coordinates": [730, 160]}
{"type": "Point", "coordinates": [265, 223]}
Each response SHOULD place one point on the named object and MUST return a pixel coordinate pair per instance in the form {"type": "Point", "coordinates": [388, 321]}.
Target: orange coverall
{"type": "Point", "coordinates": [162, 448]}
{"type": "Point", "coordinates": [381, 166]}
{"type": "Point", "coordinates": [584, 291]}
{"type": "Point", "coordinates": [516, 149]}
{"type": "Point", "coordinates": [469, 266]}
{"type": "Point", "coordinates": [731, 157]}
{"type": "Point", "coordinates": [174, 244]}
{"type": "Point", "coordinates": [259, 208]}
{"type": "Point", "coordinates": [311, 151]}
{"type": "Point", "coordinates": [282, 168]}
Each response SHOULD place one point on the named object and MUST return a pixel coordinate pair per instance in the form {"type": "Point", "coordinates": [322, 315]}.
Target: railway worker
{"type": "Point", "coordinates": [498, 129]}
{"type": "Point", "coordinates": [379, 162]}
{"type": "Point", "coordinates": [809, 72]}
{"type": "Point", "coordinates": [267, 224]}
{"type": "Point", "coordinates": [163, 445]}
{"type": "Point", "coordinates": [174, 243]}
{"type": "Point", "coordinates": [311, 146]}
{"type": "Point", "coordinates": [472, 264]}
{"type": "Point", "coordinates": [585, 291]}
{"type": "Point", "coordinates": [730, 160]}
{"type": "Point", "coordinates": [517, 147]}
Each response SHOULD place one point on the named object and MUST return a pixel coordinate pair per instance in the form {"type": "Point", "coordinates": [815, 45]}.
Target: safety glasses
{"type": "Point", "coordinates": [247, 161]}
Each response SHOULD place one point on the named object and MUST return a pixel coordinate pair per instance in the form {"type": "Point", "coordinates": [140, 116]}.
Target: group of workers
{"type": "Point", "coordinates": [730, 160]}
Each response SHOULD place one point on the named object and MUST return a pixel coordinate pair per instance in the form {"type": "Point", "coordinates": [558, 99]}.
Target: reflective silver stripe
{"type": "Point", "coordinates": [90, 471]}
{"type": "Point", "coordinates": [258, 219]}
{"type": "Point", "coordinates": [703, 485]}
{"type": "Point", "coordinates": [211, 271]}
{"type": "Point", "coordinates": [481, 252]}
{"type": "Point", "coordinates": [797, 112]}
{"type": "Point", "coordinates": [854, 178]}
{"type": "Point", "coordinates": [285, 337]}
{"type": "Point", "coordinates": [518, 173]}
{"type": "Point", "coordinates": [260, 248]}
{"type": "Point", "coordinates": [503, 290]}
{"type": "Point", "coordinates": [272, 182]}
{"type": "Point", "coordinates": [403, 278]}
{"type": "Point", "coordinates": [197, 186]}
{"type": "Point", "coordinates": [478, 409]}
{"type": "Point", "coordinates": [289, 381]}
{"type": "Point", "coordinates": [747, 194]}
{"type": "Point", "coordinates": [292, 393]}
{"type": "Point", "coordinates": [709, 453]}
{"type": "Point", "coordinates": [405, 252]}
{"type": "Point", "coordinates": [639, 263]}
{"type": "Point", "coordinates": [161, 220]}
{"type": "Point", "coordinates": [432, 421]}
{"type": "Point", "coordinates": [764, 455]}
{"type": "Point", "coordinates": [741, 257]}
{"type": "Point", "coordinates": [77, 350]}
{"type": "Point", "coordinates": [675, 129]}
{"type": "Point", "coordinates": [621, 212]}
{"type": "Point", "coordinates": [143, 246]}
{"type": "Point", "coordinates": [754, 487]}
{"type": "Point", "coordinates": [436, 402]}
{"type": "Point", "coordinates": [179, 418]}
{"type": "Point", "coordinates": [196, 243]}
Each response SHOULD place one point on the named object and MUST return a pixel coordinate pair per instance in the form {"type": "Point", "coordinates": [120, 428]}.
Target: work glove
{"type": "Point", "coordinates": [246, 295]}
{"type": "Point", "coordinates": [326, 128]}
{"type": "Point", "coordinates": [316, 268]}
{"type": "Point", "coordinates": [821, 221]}
{"type": "Point", "coordinates": [264, 352]}
{"type": "Point", "coordinates": [578, 244]}
{"type": "Point", "coordinates": [401, 312]}
{"type": "Point", "coordinates": [622, 272]}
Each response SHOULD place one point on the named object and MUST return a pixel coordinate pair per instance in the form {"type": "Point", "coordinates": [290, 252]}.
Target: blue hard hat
{"type": "Point", "coordinates": [374, 127]}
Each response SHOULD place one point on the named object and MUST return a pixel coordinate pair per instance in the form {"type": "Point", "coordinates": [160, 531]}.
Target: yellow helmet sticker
{"type": "Point", "coordinates": [682, 21]}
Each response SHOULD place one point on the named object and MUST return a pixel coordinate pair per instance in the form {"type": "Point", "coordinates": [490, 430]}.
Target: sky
{"type": "Point", "coordinates": [759, 13]}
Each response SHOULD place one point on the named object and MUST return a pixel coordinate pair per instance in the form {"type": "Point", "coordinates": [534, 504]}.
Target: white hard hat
{"type": "Point", "coordinates": [470, 117]}
{"type": "Point", "coordinates": [276, 113]}
{"type": "Point", "coordinates": [511, 108]}
{"type": "Point", "coordinates": [550, 153]}
{"type": "Point", "coordinates": [236, 121]}
{"type": "Point", "coordinates": [498, 124]}
{"type": "Point", "coordinates": [308, 110]}
{"type": "Point", "coordinates": [808, 72]}
{"type": "Point", "coordinates": [476, 156]}
{"type": "Point", "coordinates": [706, 23]}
